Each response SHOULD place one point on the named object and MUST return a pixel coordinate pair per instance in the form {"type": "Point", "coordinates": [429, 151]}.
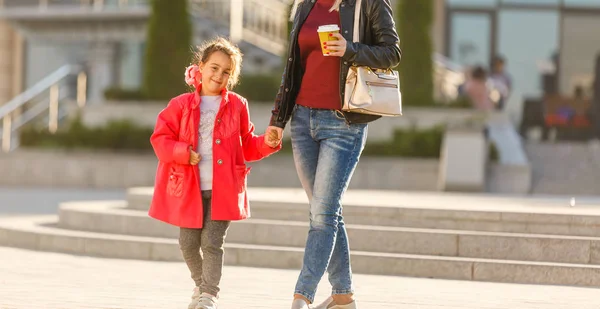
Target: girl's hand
{"type": "Point", "coordinates": [194, 157]}
{"type": "Point", "coordinates": [273, 136]}
{"type": "Point", "coordinates": [337, 47]}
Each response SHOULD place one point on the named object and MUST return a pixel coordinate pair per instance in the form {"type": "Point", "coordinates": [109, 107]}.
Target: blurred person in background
{"type": "Point", "coordinates": [500, 81]}
{"type": "Point", "coordinates": [476, 89]}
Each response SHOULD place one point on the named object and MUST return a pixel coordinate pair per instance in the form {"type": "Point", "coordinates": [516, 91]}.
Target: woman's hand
{"type": "Point", "coordinates": [336, 47]}
{"type": "Point", "coordinates": [194, 157]}
{"type": "Point", "coordinates": [273, 136]}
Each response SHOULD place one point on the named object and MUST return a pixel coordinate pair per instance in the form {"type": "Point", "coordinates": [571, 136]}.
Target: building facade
{"type": "Point", "coordinates": [536, 37]}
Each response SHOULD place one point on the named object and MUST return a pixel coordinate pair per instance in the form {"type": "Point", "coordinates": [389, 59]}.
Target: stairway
{"type": "Point", "coordinates": [450, 236]}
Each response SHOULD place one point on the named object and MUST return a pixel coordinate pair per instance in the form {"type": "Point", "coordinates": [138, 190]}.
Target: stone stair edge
{"type": "Point", "coordinates": [120, 208]}
{"type": "Point", "coordinates": [31, 224]}
{"type": "Point", "coordinates": [260, 197]}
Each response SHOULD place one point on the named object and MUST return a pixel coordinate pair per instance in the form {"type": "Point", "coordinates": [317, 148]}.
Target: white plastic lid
{"type": "Point", "coordinates": [327, 28]}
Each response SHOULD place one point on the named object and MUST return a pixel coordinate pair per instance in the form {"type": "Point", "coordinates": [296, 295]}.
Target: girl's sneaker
{"type": "Point", "coordinates": [206, 301]}
{"type": "Point", "coordinates": [195, 298]}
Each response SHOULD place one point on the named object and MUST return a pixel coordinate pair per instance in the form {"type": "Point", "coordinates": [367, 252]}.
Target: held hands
{"type": "Point", "coordinates": [336, 47]}
{"type": "Point", "coordinates": [273, 136]}
{"type": "Point", "coordinates": [194, 157]}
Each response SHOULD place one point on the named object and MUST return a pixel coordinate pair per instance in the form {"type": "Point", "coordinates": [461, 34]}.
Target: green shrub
{"type": "Point", "coordinates": [459, 102]}
{"type": "Point", "coordinates": [126, 136]}
{"type": "Point", "coordinates": [121, 135]}
{"type": "Point", "coordinates": [259, 87]}
{"type": "Point", "coordinates": [168, 50]}
{"type": "Point", "coordinates": [122, 94]}
{"type": "Point", "coordinates": [422, 143]}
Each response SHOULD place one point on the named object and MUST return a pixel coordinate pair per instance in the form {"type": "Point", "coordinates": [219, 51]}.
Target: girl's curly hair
{"type": "Point", "coordinates": [227, 47]}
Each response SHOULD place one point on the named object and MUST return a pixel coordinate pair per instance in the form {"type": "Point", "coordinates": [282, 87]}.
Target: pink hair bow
{"type": "Point", "coordinates": [191, 73]}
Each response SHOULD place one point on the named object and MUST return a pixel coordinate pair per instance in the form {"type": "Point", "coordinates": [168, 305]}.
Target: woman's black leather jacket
{"type": "Point", "coordinates": [378, 48]}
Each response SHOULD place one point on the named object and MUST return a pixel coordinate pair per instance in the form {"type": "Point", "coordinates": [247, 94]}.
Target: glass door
{"type": "Point", "coordinates": [471, 37]}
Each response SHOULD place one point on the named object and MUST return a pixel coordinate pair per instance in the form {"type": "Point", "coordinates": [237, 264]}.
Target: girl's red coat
{"type": "Point", "coordinates": [177, 198]}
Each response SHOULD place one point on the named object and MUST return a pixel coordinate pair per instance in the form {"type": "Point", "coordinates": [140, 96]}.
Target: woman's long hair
{"type": "Point", "coordinates": [334, 7]}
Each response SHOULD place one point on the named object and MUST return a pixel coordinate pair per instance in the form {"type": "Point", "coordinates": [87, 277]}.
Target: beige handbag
{"type": "Point", "coordinates": [371, 91]}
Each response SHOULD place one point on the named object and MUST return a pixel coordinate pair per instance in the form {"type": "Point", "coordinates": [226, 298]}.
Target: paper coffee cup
{"type": "Point", "coordinates": [324, 35]}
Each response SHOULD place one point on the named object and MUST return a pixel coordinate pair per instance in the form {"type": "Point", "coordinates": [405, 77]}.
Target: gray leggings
{"type": "Point", "coordinates": [206, 267]}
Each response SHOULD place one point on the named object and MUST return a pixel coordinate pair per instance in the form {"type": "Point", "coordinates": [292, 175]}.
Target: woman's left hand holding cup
{"type": "Point", "coordinates": [337, 47]}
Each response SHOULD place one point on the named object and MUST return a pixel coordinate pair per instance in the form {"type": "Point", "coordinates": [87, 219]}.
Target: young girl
{"type": "Point", "coordinates": [202, 140]}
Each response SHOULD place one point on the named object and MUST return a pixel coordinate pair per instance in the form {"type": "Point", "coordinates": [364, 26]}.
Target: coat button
{"type": "Point", "coordinates": [343, 5]}
{"type": "Point", "coordinates": [219, 120]}
{"type": "Point", "coordinates": [346, 31]}
{"type": "Point", "coordinates": [218, 141]}
{"type": "Point", "coordinates": [287, 89]}
{"type": "Point", "coordinates": [219, 161]}
{"type": "Point", "coordinates": [345, 62]}
{"type": "Point", "coordinates": [290, 59]}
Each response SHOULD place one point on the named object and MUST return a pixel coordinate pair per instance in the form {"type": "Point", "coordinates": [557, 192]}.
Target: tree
{"type": "Point", "coordinates": [168, 49]}
{"type": "Point", "coordinates": [414, 20]}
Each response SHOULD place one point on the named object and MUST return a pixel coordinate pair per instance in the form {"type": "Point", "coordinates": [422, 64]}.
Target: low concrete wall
{"type": "Point", "coordinates": [509, 179]}
{"type": "Point", "coordinates": [105, 170]}
{"type": "Point", "coordinates": [382, 129]}
{"type": "Point", "coordinates": [79, 169]}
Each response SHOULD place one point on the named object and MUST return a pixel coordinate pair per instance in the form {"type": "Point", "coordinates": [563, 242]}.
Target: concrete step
{"type": "Point", "coordinates": [433, 210]}
{"type": "Point", "coordinates": [111, 217]}
{"type": "Point", "coordinates": [40, 233]}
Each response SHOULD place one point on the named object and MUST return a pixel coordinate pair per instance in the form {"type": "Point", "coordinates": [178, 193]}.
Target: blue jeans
{"type": "Point", "coordinates": [326, 151]}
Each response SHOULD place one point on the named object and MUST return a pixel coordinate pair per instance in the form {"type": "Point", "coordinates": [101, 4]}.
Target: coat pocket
{"type": "Point", "coordinates": [241, 173]}
{"type": "Point", "coordinates": [175, 184]}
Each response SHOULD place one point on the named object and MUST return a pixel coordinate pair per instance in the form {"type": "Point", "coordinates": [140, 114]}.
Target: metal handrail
{"type": "Point", "coordinates": [41, 86]}
{"type": "Point", "coordinates": [50, 83]}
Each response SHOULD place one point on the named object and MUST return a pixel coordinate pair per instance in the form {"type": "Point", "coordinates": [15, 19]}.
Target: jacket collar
{"type": "Point", "coordinates": [224, 96]}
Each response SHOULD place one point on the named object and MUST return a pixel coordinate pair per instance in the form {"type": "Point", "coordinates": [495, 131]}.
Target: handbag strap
{"type": "Point", "coordinates": [355, 33]}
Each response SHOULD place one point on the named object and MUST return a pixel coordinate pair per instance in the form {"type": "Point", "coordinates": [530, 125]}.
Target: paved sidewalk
{"type": "Point", "coordinates": [30, 279]}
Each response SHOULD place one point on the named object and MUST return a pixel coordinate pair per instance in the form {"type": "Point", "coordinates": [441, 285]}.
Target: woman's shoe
{"type": "Point", "coordinates": [299, 304]}
{"type": "Point", "coordinates": [351, 305]}
{"type": "Point", "coordinates": [325, 304]}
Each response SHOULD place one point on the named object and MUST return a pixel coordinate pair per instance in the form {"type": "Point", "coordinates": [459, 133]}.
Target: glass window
{"type": "Point", "coordinates": [130, 64]}
{"type": "Point", "coordinates": [470, 38]}
{"type": "Point", "coordinates": [579, 49]}
{"type": "Point", "coordinates": [583, 3]}
{"type": "Point", "coordinates": [527, 40]}
{"type": "Point", "coordinates": [473, 3]}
